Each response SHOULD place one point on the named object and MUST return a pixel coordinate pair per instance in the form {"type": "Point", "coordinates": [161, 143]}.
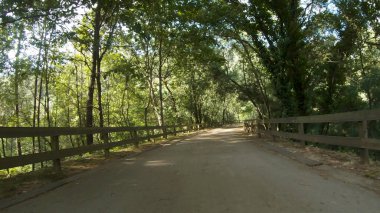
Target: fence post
{"type": "Point", "coordinates": [175, 131]}
{"type": "Point", "coordinates": [154, 138]}
{"type": "Point", "coordinates": [148, 134]}
{"type": "Point", "coordinates": [136, 143]}
{"type": "Point", "coordinates": [363, 134]}
{"type": "Point", "coordinates": [54, 140]}
{"type": "Point", "coordinates": [105, 138]}
{"type": "Point", "coordinates": [258, 124]}
{"type": "Point", "coordinates": [164, 130]}
{"type": "Point", "coordinates": [273, 127]}
{"type": "Point", "coordinates": [255, 127]}
{"type": "Point", "coordinates": [301, 130]}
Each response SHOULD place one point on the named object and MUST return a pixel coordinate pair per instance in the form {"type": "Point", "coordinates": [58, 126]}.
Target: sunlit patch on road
{"type": "Point", "coordinates": [157, 163]}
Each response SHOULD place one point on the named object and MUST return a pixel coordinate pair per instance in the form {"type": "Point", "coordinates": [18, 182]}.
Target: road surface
{"type": "Point", "coordinates": [218, 171]}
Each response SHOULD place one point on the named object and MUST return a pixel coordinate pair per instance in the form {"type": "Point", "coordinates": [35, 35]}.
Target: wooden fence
{"type": "Point", "coordinates": [271, 127]}
{"type": "Point", "coordinates": [56, 153]}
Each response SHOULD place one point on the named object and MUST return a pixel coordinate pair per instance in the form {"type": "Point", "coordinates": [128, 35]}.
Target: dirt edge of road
{"type": "Point", "coordinates": [344, 166]}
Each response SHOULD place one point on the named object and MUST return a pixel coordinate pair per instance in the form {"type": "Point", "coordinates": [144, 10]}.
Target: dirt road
{"type": "Point", "coordinates": [217, 171]}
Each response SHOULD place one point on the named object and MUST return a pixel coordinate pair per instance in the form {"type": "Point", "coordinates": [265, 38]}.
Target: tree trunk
{"type": "Point", "coordinates": [47, 45]}
{"type": "Point", "coordinates": [3, 143]}
{"type": "Point", "coordinates": [108, 102]}
{"type": "Point", "coordinates": [174, 102]}
{"type": "Point", "coordinates": [151, 87]}
{"type": "Point", "coordinates": [34, 114]}
{"type": "Point", "coordinates": [103, 136]}
{"type": "Point", "coordinates": [364, 74]}
{"type": "Point", "coordinates": [3, 147]}
{"type": "Point", "coordinates": [35, 94]}
{"type": "Point", "coordinates": [153, 98]}
{"type": "Point", "coordinates": [122, 105]}
{"type": "Point", "coordinates": [16, 88]}
{"type": "Point", "coordinates": [99, 89]}
{"type": "Point", "coordinates": [78, 104]}
{"type": "Point", "coordinates": [47, 96]}
{"type": "Point", "coordinates": [258, 79]}
{"type": "Point", "coordinates": [91, 87]}
{"type": "Point", "coordinates": [39, 116]}
{"type": "Point", "coordinates": [160, 86]}
{"type": "Point", "coordinates": [68, 111]}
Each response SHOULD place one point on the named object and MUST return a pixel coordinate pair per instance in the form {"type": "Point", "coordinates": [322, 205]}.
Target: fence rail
{"type": "Point", "coordinates": [18, 132]}
{"type": "Point", "coordinates": [56, 154]}
{"type": "Point", "coordinates": [271, 127]}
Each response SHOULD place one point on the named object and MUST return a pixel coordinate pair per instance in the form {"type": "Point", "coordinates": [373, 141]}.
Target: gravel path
{"type": "Point", "coordinates": [217, 171]}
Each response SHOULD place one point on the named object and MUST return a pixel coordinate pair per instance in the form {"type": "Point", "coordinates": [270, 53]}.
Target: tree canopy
{"type": "Point", "coordinates": [126, 63]}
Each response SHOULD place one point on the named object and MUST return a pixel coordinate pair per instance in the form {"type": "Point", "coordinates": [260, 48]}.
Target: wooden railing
{"type": "Point", "coordinates": [361, 117]}
{"type": "Point", "coordinates": [56, 153]}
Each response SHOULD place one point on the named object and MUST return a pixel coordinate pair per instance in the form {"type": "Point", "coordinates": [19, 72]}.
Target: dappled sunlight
{"type": "Point", "coordinates": [235, 141]}
{"type": "Point", "coordinates": [224, 130]}
{"type": "Point", "coordinates": [220, 135]}
{"type": "Point", "coordinates": [186, 143]}
{"type": "Point", "coordinates": [129, 161]}
{"type": "Point", "coordinates": [207, 138]}
{"type": "Point", "coordinates": [154, 163]}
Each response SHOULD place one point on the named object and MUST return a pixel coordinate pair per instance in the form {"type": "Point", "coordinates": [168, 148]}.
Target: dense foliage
{"type": "Point", "coordinates": [156, 62]}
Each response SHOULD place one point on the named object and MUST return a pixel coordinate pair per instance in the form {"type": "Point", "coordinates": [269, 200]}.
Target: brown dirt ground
{"type": "Point", "coordinates": [348, 161]}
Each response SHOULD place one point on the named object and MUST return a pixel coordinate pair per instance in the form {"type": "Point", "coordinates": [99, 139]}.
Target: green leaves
{"type": "Point", "coordinates": [285, 57]}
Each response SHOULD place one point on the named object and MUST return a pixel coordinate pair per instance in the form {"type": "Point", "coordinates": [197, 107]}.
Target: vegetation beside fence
{"type": "Point", "coordinates": [358, 129]}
